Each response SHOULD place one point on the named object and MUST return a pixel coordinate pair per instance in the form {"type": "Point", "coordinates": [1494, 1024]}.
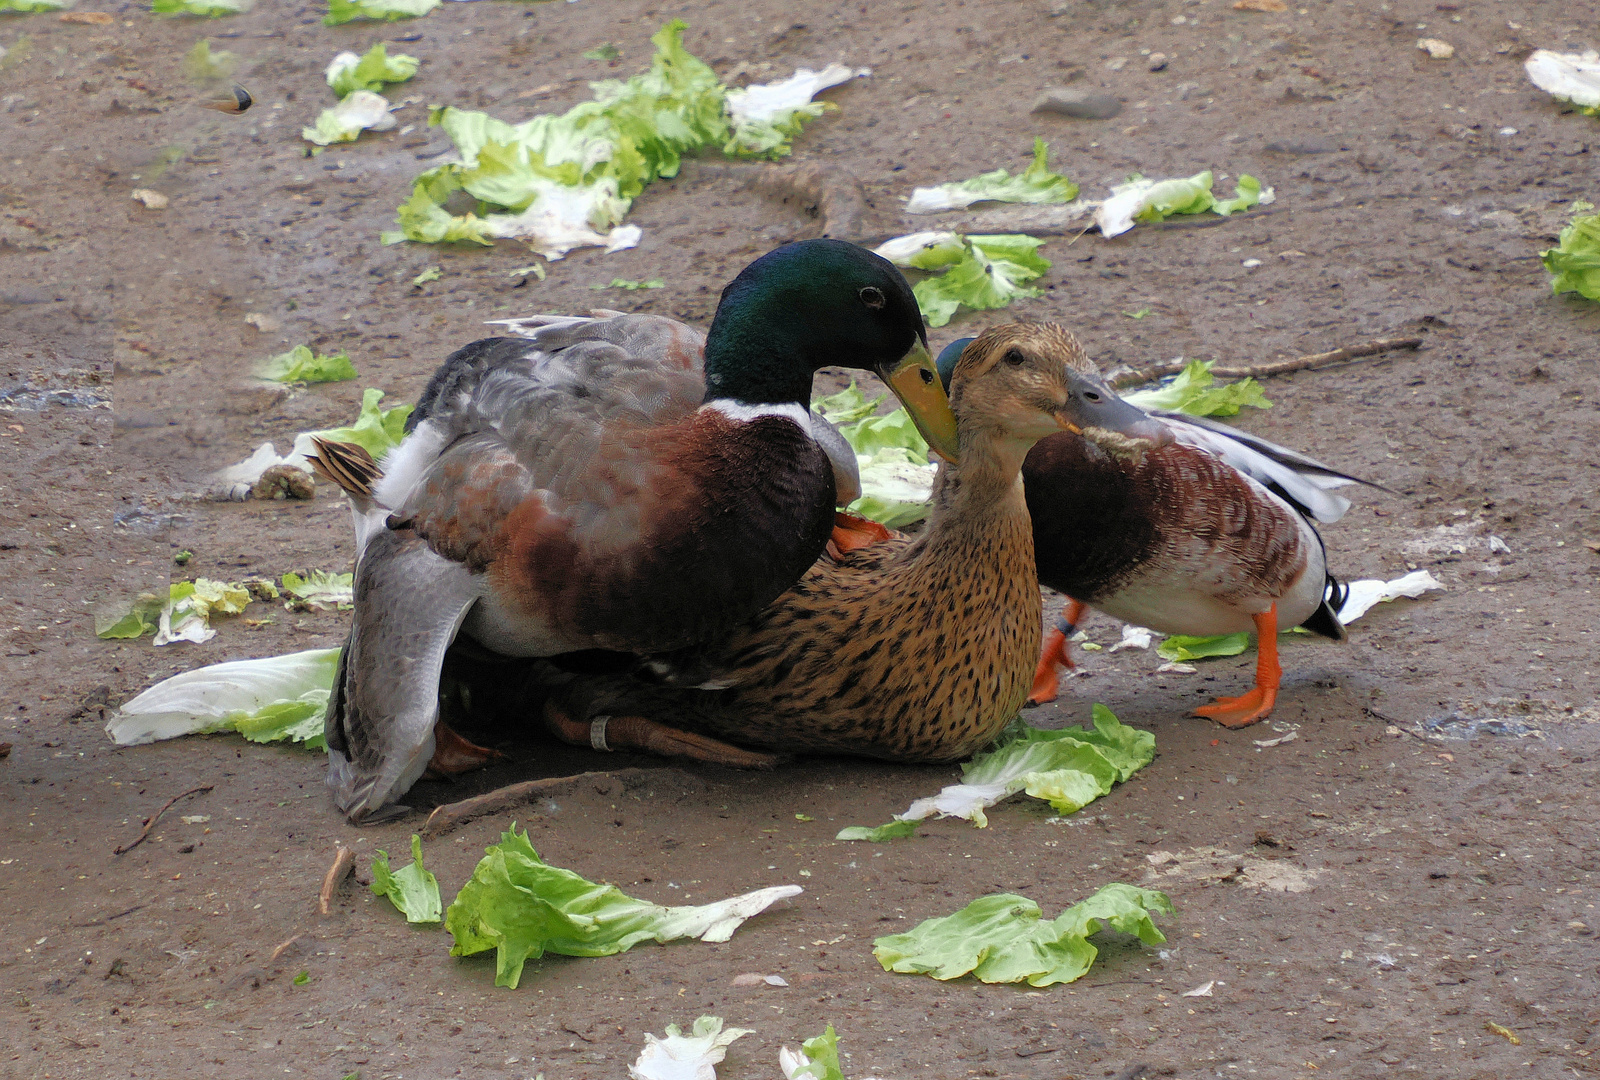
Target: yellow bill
{"type": "Point", "coordinates": [915, 381]}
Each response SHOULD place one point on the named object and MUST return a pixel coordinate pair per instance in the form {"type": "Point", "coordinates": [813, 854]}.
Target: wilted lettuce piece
{"type": "Point", "coordinates": [411, 889]}
{"type": "Point", "coordinates": [891, 455]}
{"type": "Point", "coordinates": [522, 907]}
{"type": "Point", "coordinates": [371, 71]}
{"type": "Point", "coordinates": [293, 721]}
{"type": "Point", "coordinates": [878, 834]}
{"type": "Point", "coordinates": [343, 11]}
{"type": "Point", "coordinates": [930, 250]}
{"type": "Point", "coordinates": [994, 272]}
{"type": "Point", "coordinates": [694, 1056]}
{"type": "Point", "coordinates": [1004, 938]}
{"type": "Point", "coordinates": [766, 118]}
{"type": "Point", "coordinates": [258, 694]}
{"type": "Point", "coordinates": [817, 1058]}
{"type": "Point", "coordinates": [212, 8]}
{"type": "Point", "coordinates": [34, 5]}
{"type": "Point", "coordinates": [1143, 199]}
{"type": "Point", "coordinates": [136, 620]}
{"type": "Point", "coordinates": [320, 590]}
{"type": "Point", "coordinates": [1187, 647]}
{"type": "Point", "coordinates": [1195, 392]}
{"type": "Point", "coordinates": [360, 110]}
{"type": "Point", "coordinates": [300, 364]}
{"type": "Point", "coordinates": [1575, 260]}
{"type": "Point", "coordinates": [847, 406]}
{"type": "Point", "coordinates": [1035, 184]}
{"type": "Point", "coordinates": [424, 219]}
{"type": "Point", "coordinates": [376, 430]}
{"type": "Point", "coordinates": [1246, 193]}
{"type": "Point", "coordinates": [1573, 77]}
{"type": "Point", "coordinates": [1069, 768]}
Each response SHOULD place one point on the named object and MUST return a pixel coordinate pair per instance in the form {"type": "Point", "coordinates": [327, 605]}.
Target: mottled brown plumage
{"type": "Point", "coordinates": [910, 650]}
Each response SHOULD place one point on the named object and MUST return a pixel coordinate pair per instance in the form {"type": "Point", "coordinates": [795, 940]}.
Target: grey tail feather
{"type": "Point", "coordinates": [1325, 620]}
{"type": "Point", "coordinates": [347, 465]}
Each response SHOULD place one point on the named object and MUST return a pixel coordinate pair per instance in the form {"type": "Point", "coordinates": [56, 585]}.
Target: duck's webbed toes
{"type": "Point", "coordinates": [1242, 711]}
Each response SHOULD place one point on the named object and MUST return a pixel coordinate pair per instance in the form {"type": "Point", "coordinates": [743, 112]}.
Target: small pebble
{"type": "Point", "coordinates": [1158, 61]}
{"type": "Point", "coordinates": [1439, 50]}
{"type": "Point", "coordinates": [1250, 263]}
{"type": "Point", "coordinates": [1116, 63]}
{"type": "Point", "coordinates": [153, 200]}
{"type": "Point", "coordinates": [1081, 104]}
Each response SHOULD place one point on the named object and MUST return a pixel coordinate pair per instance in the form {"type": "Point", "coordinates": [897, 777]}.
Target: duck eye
{"type": "Point", "coordinates": [1015, 358]}
{"type": "Point", "coordinates": [1090, 395]}
{"type": "Point", "coordinates": [873, 297]}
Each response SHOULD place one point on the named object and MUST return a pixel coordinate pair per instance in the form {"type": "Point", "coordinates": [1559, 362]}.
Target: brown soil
{"type": "Point", "coordinates": [1397, 894]}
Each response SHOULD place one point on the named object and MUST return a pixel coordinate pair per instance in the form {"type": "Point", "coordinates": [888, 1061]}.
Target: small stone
{"type": "Point", "coordinates": [1081, 104]}
{"type": "Point", "coordinates": [153, 200]}
{"type": "Point", "coordinates": [1250, 264]}
{"type": "Point", "coordinates": [1439, 50]}
{"type": "Point", "coordinates": [1260, 5]}
{"type": "Point", "coordinates": [264, 323]}
{"type": "Point", "coordinates": [1116, 63]}
{"type": "Point", "coordinates": [1158, 61]}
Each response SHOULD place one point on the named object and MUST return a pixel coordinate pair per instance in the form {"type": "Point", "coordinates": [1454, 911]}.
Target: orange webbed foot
{"type": "Point", "coordinates": [851, 531]}
{"type": "Point", "coordinates": [1046, 679]}
{"type": "Point", "coordinates": [453, 754]}
{"type": "Point", "coordinates": [1246, 709]}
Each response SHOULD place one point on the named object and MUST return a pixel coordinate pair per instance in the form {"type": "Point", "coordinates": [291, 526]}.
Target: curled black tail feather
{"type": "Point", "coordinates": [1325, 620]}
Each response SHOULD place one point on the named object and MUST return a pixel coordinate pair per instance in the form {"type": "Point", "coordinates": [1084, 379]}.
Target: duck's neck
{"type": "Point", "coordinates": [980, 492]}
{"type": "Point", "coordinates": [754, 364]}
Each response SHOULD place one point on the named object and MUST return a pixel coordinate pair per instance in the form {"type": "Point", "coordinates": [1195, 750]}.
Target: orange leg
{"type": "Point", "coordinates": [1046, 682]}
{"type": "Point", "coordinates": [637, 733]}
{"type": "Point", "coordinates": [453, 754]}
{"type": "Point", "coordinates": [851, 531]}
{"type": "Point", "coordinates": [1247, 709]}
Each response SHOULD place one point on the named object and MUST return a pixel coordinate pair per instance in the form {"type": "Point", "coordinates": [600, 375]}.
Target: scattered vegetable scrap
{"type": "Point", "coordinates": [376, 430]}
{"type": "Point", "coordinates": [1196, 392]}
{"type": "Point", "coordinates": [301, 365]}
{"type": "Point", "coordinates": [357, 111]}
{"type": "Point", "coordinates": [183, 615]}
{"type": "Point", "coordinates": [371, 71]}
{"type": "Point", "coordinates": [1142, 199]}
{"type": "Point", "coordinates": [980, 272]}
{"type": "Point", "coordinates": [1573, 77]}
{"type": "Point", "coordinates": [411, 889]}
{"type": "Point", "coordinates": [1575, 260]}
{"type": "Point", "coordinates": [27, 6]}
{"type": "Point", "coordinates": [319, 590]}
{"type": "Point", "coordinates": [685, 1057]}
{"type": "Point", "coordinates": [343, 11]}
{"type": "Point", "coordinates": [210, 8]}
{"type": "Point", "coordinates": [896, 475]}
{"type": "Point", "coordinates": [1004, 938]}
{"type": "Point", "coordinates": [1035, 184]}
{"type": "Point", "coordinates": [817, 1058]}
{"type": "Point", "coordinates": [522, 907]}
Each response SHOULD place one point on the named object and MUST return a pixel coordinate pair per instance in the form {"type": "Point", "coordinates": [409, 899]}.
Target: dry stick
{"type": "Point", "coordinates": [454, 815]}
{"type": "Point", "coordinates": [150, 822]}
{"type": "Point", "coordinates": [343, 861]}
{"type": "Point", "coordinates": [281, 949]}
{"type": "Point", "coordinates": [1277, 367]}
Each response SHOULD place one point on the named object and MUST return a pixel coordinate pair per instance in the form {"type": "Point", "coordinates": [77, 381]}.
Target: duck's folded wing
{"type": "Point", "coordinates": [1303, 481]}
{"type": "Point", "coordinates": [409, 603]}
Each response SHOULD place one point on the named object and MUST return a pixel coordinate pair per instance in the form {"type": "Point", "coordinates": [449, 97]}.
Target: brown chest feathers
{"type": "Point", "coordinates": [910, 650]}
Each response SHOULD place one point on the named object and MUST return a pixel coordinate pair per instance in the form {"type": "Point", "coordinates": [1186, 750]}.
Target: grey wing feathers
{"type": "Point", "coordinates": [409, 603]}
{"type": "Point", "coordinates": [1303, 481]}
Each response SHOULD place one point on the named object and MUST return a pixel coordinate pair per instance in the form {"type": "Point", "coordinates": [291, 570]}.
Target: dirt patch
{"type": "Point", "coordinates": [1404, 206]}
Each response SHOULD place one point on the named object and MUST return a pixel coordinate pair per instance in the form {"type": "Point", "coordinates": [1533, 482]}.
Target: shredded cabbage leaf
{"type": "Point", "coordinates": [522, 907]}
{"type": "Point", "coordinates": [817, 1058]}
{"type": "Point", "coordinates": [1143, 199]}
{"type": "Point", "coordinates": [300, 364]}
{"type": "Point", "coordinates": [360, 110]}
{"type": "Point", "coordinates": [979, 272]}
{"type": "Point", "coordinates": [694, 1056]}
{"type": "Point", "coordinates": [1004, 938]}
{"type": "Point", "coordinates": [1574, 262]}
{"type": "Point", "coordinates": [275, 697]}
{"type": "Point", "coordinates": [1573, 77]}
{"type": "Point", "coordinates": [765, 119]}
{"type": "Point", "coordinates": [1196, 392]}
{"type": "Point", "coordinates": [376, 430]}
{"type": "Point", "coordinates": [892, 456]}
{"type": "Point", "coordinates": [349, 72]}
{"type": "Point", "coordinates": [34, 5]}
{"type": "Point", "coordinates": [211, 8]}
{"type": "Point", "coordinates": [411, 889]}
{"type": "Point", "coordinates": [321, 590]}
{"type": "Point", "coordinates": [1035, 184]}
{"type": "Point", "coordinates": [879, 833]}
{"type": "Point", "coordinates": [1188, 647]}
{"type": "Point", "coordinates": [343, 11]}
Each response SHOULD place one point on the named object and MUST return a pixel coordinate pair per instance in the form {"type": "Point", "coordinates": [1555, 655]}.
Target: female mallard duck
{"type": "Point", "coordinates": [1209, 534]}
{"type": "Point", "coordinates": [600, 487]}
{"type": "Point", "coordinates": [910, 649]}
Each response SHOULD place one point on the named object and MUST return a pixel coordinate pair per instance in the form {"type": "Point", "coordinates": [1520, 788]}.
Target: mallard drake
{"type": "Point", "coordinates": [1209, 534]}
{"type": "Point", "coordinates": [617, 482]}
{"type": "Point", "coordinates": [914, 649]}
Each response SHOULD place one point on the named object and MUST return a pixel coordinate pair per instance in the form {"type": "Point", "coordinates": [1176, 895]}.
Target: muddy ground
{"type": "Point", "coordinates": [1397, 894]}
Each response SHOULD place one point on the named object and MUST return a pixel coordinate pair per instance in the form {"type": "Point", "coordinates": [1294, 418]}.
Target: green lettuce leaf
{"type": "Point", "coordinates": [424, 219]}
{"type": "Point", "coordinates": [136, 620]}
{"type": "Point", "coordinates": [522, 907]}
{"type": "Point", "coordinates": [631, 286]}
{"type": "Point", "coordinates": [1575, 260]}
{"type": "Point", "coordinates": [1035, 184]}
{"type": "Point", "coordinates": [847, 406]}
{"type": "Point", "coordinates": [300, 364]}
{"type": "Point", "coordinates": [23, 6]}
{"type": "Point", "coordinates": [766, 118]}
{"type": "Point", "coordinates": [376, 430]}
{"type": "Point", "coordinates": [411, 889]}
{"type": "Point", "coordinates": [1246, 194]}
{"type": "Point", "coordinates": [212, 8]}
{"type": "Point", "coordinates": [343, 11]}
{"type": "Point", "coordinates": [694, 1056]}
{"type": "Point", "coordinates": [817, 1059]}
{"type": "Point", "coordinates": [892, 456]}
{"type": "Point", "coordinates": [1069, 768]}
{"type": "Point", "coordinates": [1003, 938]}
{"type": "Point", "coordinates": [983, 272]}
{"type": "Point", "coordinates": [270, 698]}
{"type": "Point", "coordinates": [1142, 199]}
{"type": "Point", "coordinates": [878, 834]}
{"type": "Point", "coordinates": [371, 71]}
{"type": "Point", "coordinates": [183, 615]}
{"type": "Point", "coordinates": [321, 590]}
{"type": "Point", "coordinates": [1196, 392]}
{"type": "Point", "coordinates": [1185, 647]}
{"type": "Point", "coordinates": [358, 111]}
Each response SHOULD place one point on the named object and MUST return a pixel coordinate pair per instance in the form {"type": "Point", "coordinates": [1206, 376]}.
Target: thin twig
{"type": "Point", "coordinates": [281, 949]}
{"type": "Point", "coordinates": [454, 815]}
{"type": "Point", "coordinates": [1140, 376]}
{"type": "Point", "coordinates": [343, 861]}
{"type": "Point", "coordinates": [150, 822]}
